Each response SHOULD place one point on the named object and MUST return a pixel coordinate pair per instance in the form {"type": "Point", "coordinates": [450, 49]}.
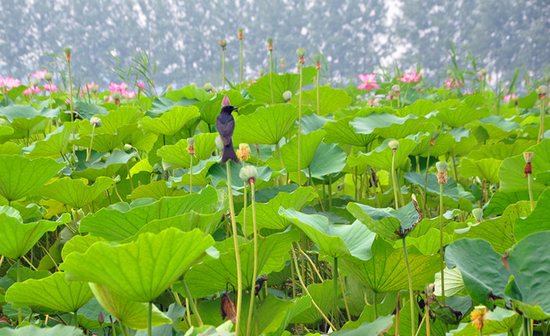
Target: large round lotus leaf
{"type": "Point", "coordinates": [331, 100]}
{"type": "Point", "coordinates": [460, 115]}
{"type": "Point", "coordinates": [536, 221]}
{"type": "Point", "coordinates": [177, 156]}
{"type": "Point", "coordinates": [19, 176]}
{"type": "Point", "coordinates": [130, 313]}
{"type": "Point", "coordinates": [16, 238]}
{"type": "Point", "coordinates": [25, 117]}
{"type": "Point", "coordinates": [387, 125]}
{"type": "Point", "coordinates": [143, 269]}
{"type": "Point", "coordinates": [341, 131]}
{"type": "Point", "coordinates": [75, 192]}
{"type": "Point", "coordinates": [328, 159]}
{"type": "Point", "coordinates": [381, 156]}
{"type": "Point", "coordinates": [54, 292]}
{"type": "Point", "coordinates": [265, 126]}
{"type": "Point", "coordinates": [378, 327]}
{"type": "Point", "coordinates": [386, 271]}
{"type": "Point", "coordinates": [324, 296]}
{"type": "Point", "coordinates": [486, 169]}
{"type": "Point", "coordinates": [498, 321]}
{"type": "Point", "coordinates": [53, 144]}
{"type": "Point", "coordinates": [501, 150]}
{"type": "Point", "coordinates": [261, 90]}
{"type": "Point", "coordinates": [31, 330]}
{"type": "Point", "coordinates": [79, 244]}
{"type": "Point", "coordinates": [334, 240]}
{"type": "Point", "coordinates": [309, 144]}
{"type": "Point", "coordinates": [169, 123]}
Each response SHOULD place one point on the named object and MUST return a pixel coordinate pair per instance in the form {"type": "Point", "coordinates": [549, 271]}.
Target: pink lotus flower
{"type": "Point", "coordinates": [88, 87]}
{"type": "Point", "coordinates": [374, 102]}
{"type": "Point", "coordinates": [410, 77]}
{"type": "Point", "coordinates": [50, 87]}
{"type": "Point", "coordinates": [369, 82]}
{"type": "Point", "coordinates": [451, 83]}
{"type": "Point", "coordinates": [122, 89]}
{"type": "Point", "coordinates": [509, 97]}
{"type": "Point", "coordinates": [9, 83]}
{"type": "Point", "coordinates": [39, 74]}
{"type": "Point", "coordinates": [32, 90]}
{"type": "Point", "coordinates": [141, 86]}
{"type": "Point", "coordinates": [130, 94]}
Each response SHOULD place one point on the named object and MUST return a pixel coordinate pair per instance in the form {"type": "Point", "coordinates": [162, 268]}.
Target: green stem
{"type": "Point", "coordinates": [453, 165]}
{"type": "Point", "coordinates": [245, 196]}
{"type": "Point", "coordinates": [426, 181]}
{"type": "Point", "coordinates": [70, 91]}
{"type": "Point", "coordinates": [329, 192]}
{"type": "Point", "coordinates": [529, 187]}
{"type": "Point", "coordinates": [335, 279]}
{"type": "Point", "coordinates": [19, 314]}
{"type": "Point", "coordinates": [191, 176]}
{"type": "Point", "coordinates": [271, 75]}
{"type": "Point", "coordinates": [318, 93]}
{"type": "Point", "coordinates": [411, 295]}
{"type": "Point", "coordinates": [237, 252]}
{"type": "Point", "coordinates": [113, 327]}
{"type": "Point", "coordinates": [241, 69]}
{"type": "Point", "coordinates": [91, 144]}
{"type": "Point", "coordinates": [375, 307]}
{"type": "Point", "coordinates": [191, 302]}
{"type": "Point", "coordinates": [542, 117]}
{"type": "Point", "coordinates": [300, 128]}
{"type": "Point", "coordinates": [394, 181]}
{"type": "Point", "coordinates": [223, 69]}
{"type": "Point", "coordinates": [149, 321]}
{"type": "Point", "coordinates": [441, 253]}
{"type": "Point", "coordinates": [255, 268]}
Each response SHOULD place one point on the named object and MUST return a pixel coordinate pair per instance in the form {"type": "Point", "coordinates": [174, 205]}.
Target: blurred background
{"type": "Point", "coordinates": [354, 36]}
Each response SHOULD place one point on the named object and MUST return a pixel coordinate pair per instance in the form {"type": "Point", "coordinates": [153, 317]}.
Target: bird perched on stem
{"type": "Point", "coordinates": [225, 123]}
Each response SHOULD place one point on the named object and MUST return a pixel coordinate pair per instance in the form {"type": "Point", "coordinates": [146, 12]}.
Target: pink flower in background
{"type": "Point", "coordinates": [32, 90]}
{"type": "Point", "coordinates": [141, 86]}
{"type": "Point", "coordinates": [9, 83]}
{"type": "Point", "coordinates": [39, 74]}
{"type": "Point", "coordinates": [89, 86]}
{"type": "Point", "coordinates": [122, 89]}
{"type": "Point", "coordinates": [369, 82]}
{"type": "Point", "coordinates": [410, 77]}
{"type": "Point", "coordinates": [50, 87]}
{"type": "Point", "coordinates": [374, 102]}
{"type": "Point", "coordinates": [130, 94]}
{"type": "Point", "coordinates": [509, 97]}
{"type": "Point", "coordinates": [451, 83]}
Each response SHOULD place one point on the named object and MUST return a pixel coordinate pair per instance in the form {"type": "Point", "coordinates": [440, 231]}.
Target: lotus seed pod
{"type": "Point", "coordinates": [287, 95]}
{"type": "Point", "coordinates": [543, 89]}
{"type": "Point", "coordinates": [223, 43]}
{"type": "Point", "coordinates": [115, 95]}
{"type": "Point", "coordinates": [282, 60]}
{"type": "Point", "coordinates": [67, 50]}
{"type": "Point", "coordinates": [249, 174]}
{"type": "Point", "coordinates": [441, 166]}
{"type": "Point", "coordinates": [240, 33]}
{"type": "Point", "coordinates": [48, 76]}
{"type": "Point", "coordinates": [301, 52]}
{"type": "Point", "coordinates": [96, 121]}
{"type": "Point", "coordinates": [262, 71]}
{"type": "Point", "coordinates": [208, 87]}
{"type": "Point", "coordinates": [435, 134]}
{"type": "Point", "coordinates": [396, 88]}
{"type": "Point", "coordinates": [93, 89]}
{"type": "Point", "coordinates": [191, 141]}
{"type": "Point", "coordinates": [270, 40]}
{"type": "Point", "coordinates": [34, 82]}
{"type": "Point", "coordinates": [478, 214]}
{"type": "Point", "coordinates": [243, 153]}
{"type": "Point", "coordinates": [394, 144]}
{"type": "Point", "coordinates": [219, 143]}
{"type": "Point", "coordinates": [317, 58]}
{"type": "Point", "coordinates": [128, 148]}
{"type": "Point", "coordinates": [528, 157]}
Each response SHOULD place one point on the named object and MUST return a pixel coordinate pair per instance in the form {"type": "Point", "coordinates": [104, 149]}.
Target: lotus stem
{"type": "Point", "coordinates": [245, 195]}
{"type": "Point", "coordinates": [300, 128]}
{"type": "Point", "coordinates": [91, 144]}
{"type": "Point", "coordinates": [329, 192]}
{"type": "Point", "coordinates": [441, 253]}
{"type": "Point", "coordinates": [19, 314]}
{"type": "Point", "coordinates": [311, 262]}
{"type": "Point", "coordinates": [191, 303]}
{"type": "Point", "coordinates": [149, 320]}
{"type": "Point", "coordinates": [70, 91]}
{"type": "Point", "coordinates": [318, 92]}
{"type": "Point", "coordinates": [223, 77]}
{"type": "Point", "coordinates": [425, 203]}
{"type": "Point", "coordinates": [255, 268]}
{"type": "Point", "coordinates": [411, 295]}
{"type": "Point", "coordinates": [542, 117]}
{"type": "Point", "coordinates": [397, 309]}
{"type": "Point", "coordinates": [191, 175]}
{"type": "Point", "coordinates": [344, 296]}
{"type": "Point", "coordinates": [237, 252]}
{"type": "Point", "coordinates": [335, 279]}
{"type": "Point", "coordinates": [307, 292]}
{"type": "Point", "coordinates": [271, 75]}
{"type": "Point", "coordinates": [394, 181]}
{"type": "Point", "coordinates": [530, 189]}
{"type": "Point", "coordinates": [241, 67]}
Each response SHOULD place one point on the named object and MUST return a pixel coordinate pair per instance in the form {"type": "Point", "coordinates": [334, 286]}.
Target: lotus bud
{"type": "Point", "coordinates": [434, 136]}
{"type": "Point", "coordinates": [317, 60]}
{"type": "Point", "coordinates": [396, 88]}
{"type": "Point", "coordinates": [394, 145]}
{"type": "Point", "coordinates": [223, 43]}
{"type": "Point", "coordinates": [191, 146]}
{"type": "Point", "coordinates": [391, 94]}
{"type": "Point", "coordinates": [243, 153]}
{"type": "Point", "coordinates": [116, 96]}
{"type": "Point", "coordinates": [219, 143]}
{"type": "Point", "coordinates": [95, 121]}
{"type": "Point", "coordinates": [240, 33]}
{"type": "Point", "coordinates": [478, 214]}
{"type": "Point", "coordinates": [128, 148]}
{"type": "Point", "coordinates": [68, 53]}
{"type": "Point", "coordinates": [418, 87]}
{"type": "Point", "coordinates": [270, 44]}
{"type": "Point", "coordinates": [157, 169]}
{"type": "Point", "coordinates": [225, 101]}
{"type": "Point", "coordinates": [441, 172]}
{"type": "Point", "coordinates": [528, 157]}
{"type": "Point", "coordinates": [208, 87]}
{"type": "Point", "coordinates": [48, 76]}
{"type": "Point", "coordinates": [101, 318]}
{"type": "Point", "coordinates": [141, 86]}
{"type": "Point", "coordinates": [93, 89]}
{"type": "Point", "coordinates": [287, 95]}
{"type": "Point", "coordinates": [283, 63]}
{"type": "Point", "coordinates": [478, 317]}
{"type": "Point", "coordinates": [542, 91]}
{"type": "Point", "coordinates": [35, 82]}
{"type": "Point", "coordinates": [301, 53]}
{"type": "Point", "coordinates": [249, 174]}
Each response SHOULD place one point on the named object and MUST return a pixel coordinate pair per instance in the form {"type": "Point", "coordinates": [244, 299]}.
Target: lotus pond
{"type": "Point", "coordinates": [421, 213]}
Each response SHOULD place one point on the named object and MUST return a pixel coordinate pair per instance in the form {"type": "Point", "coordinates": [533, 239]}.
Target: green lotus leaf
{"type": "Point", "coordinates": [528, 101]}
{"type": "Point", "coordinates": [276, 314]}
{"type": "Point", "coordinates": [54, 292]}
{"type": "Point", "coordinates": [536, 221]}
{"type": "Point", "coordinates": [272, 255]}
{"type": "Point", "coordinates": [24, 117]}
{"type": "Point", "coordinates": [130, 313]}
{"type": "Point", "coordinates": [87, 111]}
{"type": "Point", "coordinates": [143, 140]}
{"type": "Point", "coordinates": [333, 239]}
{"type": "Point", "coordinates": [460, 115]}
{"type": "Point", "coordinates": [53, 144]}
{"type": "Point", "coordinates": [511, 172]}
{"type": "Point", "coordinates": [118, 225]}
{"type": "Point", "coordinates": [529, 267]}
{"type": "Point", "coordinates": [454, 284]}
{"type": "Point", "coordinates": [132, 270]}
{"type": "Point", "coordinates": [498, 231]}
{"type": "Point", "coordinates": [498, 128]}
{"type": "Point", "coordinates": [177, 156]}
{"type": "Point", "coordinates": [267, 125]}
{"type": "Point", "coordinates": [289, 151]}
{"type": "Point", "coordinates": [386, 271]}
{"type": "Point", "coordinates": [341, 131]}
{"type": "Point", "coordinates": [19, 176]}
{"type": "Point", "coordinates": [432, 187]}
{"type": "Point", "coordinates": [79, 244]}
{"type": "Point", "coordinates": [156, 190]}
{"type": "Point", "coordinates": [381, 156]}
{"type": "Point", "coordinates": [124, 115]}
{"type": "Point", "coordinates": [465, 140]}
{"type": "Point", "coordinates": [443, 144]}
{"type": "Point", "coordinates": [386, 125]}
{"type": "Point", "coordinates": [498, 321]}
{"type": "Point", "coordinates": [31, 330]}
{"type": "Point", "coordinates": [189, 92]}
{"type": "Point", "coordinates": [501, 150]}
{"type": "Point", "coordinates": [169, 123]}
{"type": "Point", "coordinates": [267, 214]}
{"type": "Point", "coordinates": [331, 100]}
{"type": "Point", "coordinates": [16, 238]}
{"type": "Point", "coordinates": [261, 90]}
{"type": "Point", "coordinates": [367, 328]}
{"type": "Point", "coordinates": [328, 159]}
{"type": "Point", "coordinates": [10, 148]}
{"type": "Point", "coordinates": [175, 313]}
{"type": "Point", "coordinates": [485, 278]}
{"type": "Point", "coordinates": [427, 243]}
{"type": "Point", "coordinates": [75, 192]}
{"type": "Point", "coordinates": [324, 296]}
{"type": "Point", "coordinates": [313, 122]}
{"type": "Point", "coordinates": [162, 104]}
{"type": "Point", "coordinates": [487, 169]}
{"type": "Point", "coordinates": [114, 163]}
{"type": "Point", "coordinates": [218, 175]}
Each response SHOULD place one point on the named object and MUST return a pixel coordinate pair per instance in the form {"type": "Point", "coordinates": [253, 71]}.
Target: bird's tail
{"type": "Point", "coordinates": [229, 153]}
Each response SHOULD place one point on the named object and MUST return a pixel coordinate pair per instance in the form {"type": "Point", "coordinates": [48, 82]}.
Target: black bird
{"type": "Point", "coordinates": [225, 123]}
